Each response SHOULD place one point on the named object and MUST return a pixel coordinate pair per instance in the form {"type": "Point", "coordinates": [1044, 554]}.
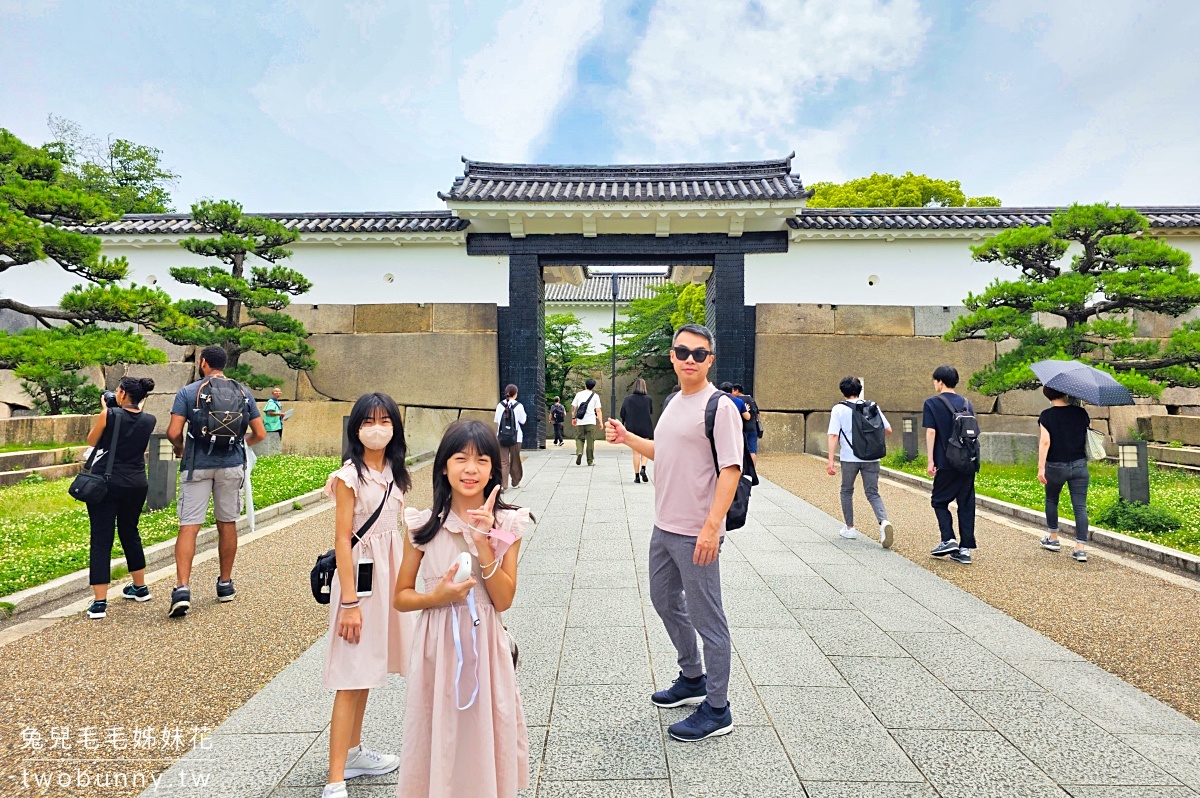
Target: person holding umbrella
{"type": "Point", "coordinates": [1062, 460]}
{"type": "Point", "coordinates": [1063, 446]}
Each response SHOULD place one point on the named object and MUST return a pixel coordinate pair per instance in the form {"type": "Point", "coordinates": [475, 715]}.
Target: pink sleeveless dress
{"type": "Point", "coordinates": [443, 745]}
{"type": "Point", "coordinates": [386, 639]}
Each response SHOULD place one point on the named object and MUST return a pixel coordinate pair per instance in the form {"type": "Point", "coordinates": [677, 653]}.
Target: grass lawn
{"type": "Point", "coordinates": [38, 447]}
{"type": "Point", "coordinates": [1177, 491]}
{"type": "Point", "coordinates": [44, 532]}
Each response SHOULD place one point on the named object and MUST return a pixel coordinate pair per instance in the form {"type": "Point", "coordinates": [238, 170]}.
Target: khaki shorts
{"type": "Point", "coordinates": [224, 485]}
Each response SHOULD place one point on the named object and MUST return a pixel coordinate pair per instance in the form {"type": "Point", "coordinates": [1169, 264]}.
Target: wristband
{"type": "Point", "coordinates": [349, 606]}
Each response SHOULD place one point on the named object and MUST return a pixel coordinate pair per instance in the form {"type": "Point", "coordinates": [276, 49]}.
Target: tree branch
{"type": "Point", "coordinates": [1148, 365]}
{"type": "Point", "coordinates": [41, 314]}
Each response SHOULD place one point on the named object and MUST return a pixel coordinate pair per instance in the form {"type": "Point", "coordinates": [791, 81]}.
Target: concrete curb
{"type": "Point", "coordinates": [1171, 558]}
{"type": "Point", "coordinates": [164, 552]}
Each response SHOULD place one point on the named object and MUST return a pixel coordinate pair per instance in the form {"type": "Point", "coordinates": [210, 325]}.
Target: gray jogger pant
{"type": "Point", "coordinates": [672, 575]}
{"type": "Point", "coordinates": [870, 480]}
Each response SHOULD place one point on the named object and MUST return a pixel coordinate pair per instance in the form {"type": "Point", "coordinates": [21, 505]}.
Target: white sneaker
{"type": "Point", "coordinates": [886, 531]}
{"type": "Point", "coordinates": [366, 762]}
{"type": "Point", "coordinates": [334, 790]}
{"type": "Point", "coordinates": [849, 533]}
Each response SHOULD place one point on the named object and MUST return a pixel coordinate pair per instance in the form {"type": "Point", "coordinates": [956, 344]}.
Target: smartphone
{"type": "Point", "coordinates": [366, 575]}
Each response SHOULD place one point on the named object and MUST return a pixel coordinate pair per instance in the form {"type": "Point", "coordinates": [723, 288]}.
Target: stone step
{"type": "Point", "coordinates": [45, 472]}
{"type": "Point", "coordinates": [37, 458]}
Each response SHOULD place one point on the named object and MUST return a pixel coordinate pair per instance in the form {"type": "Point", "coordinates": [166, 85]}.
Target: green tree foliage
{"type": "Point", "coordinates": [129, 177]}
{"type": "Point", "coordinates": [889, 191]}
{"type": "Point", "coordinates": [47, 361]}
{"type": "Point", "coordinates": [250, 319]}
{"type": "Point", "coordinates": [1116, 269]}
{"type": "Point", "coordinates": [644, 334]}
{"type": "Point", "coordinates": [568, 352]}
{"type": "Point", "coordinates": [38, 204]}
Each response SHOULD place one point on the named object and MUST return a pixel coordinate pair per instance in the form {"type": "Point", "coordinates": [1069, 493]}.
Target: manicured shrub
{"type": "Point", "coordinates": [1137, 517]}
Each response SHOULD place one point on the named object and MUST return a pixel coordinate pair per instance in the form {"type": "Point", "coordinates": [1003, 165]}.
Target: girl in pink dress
{"type": "Point", "coordinates": [368, 638]}
{"type": "Point", "coordinates": [464, 729]}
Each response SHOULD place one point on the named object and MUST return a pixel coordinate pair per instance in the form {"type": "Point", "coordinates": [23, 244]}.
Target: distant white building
{"type": "Point", "coordinates": [592, 300]}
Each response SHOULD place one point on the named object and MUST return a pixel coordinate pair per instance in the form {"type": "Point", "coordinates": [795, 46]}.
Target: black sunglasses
{"type": "Point", "coordinates": [682, 353]}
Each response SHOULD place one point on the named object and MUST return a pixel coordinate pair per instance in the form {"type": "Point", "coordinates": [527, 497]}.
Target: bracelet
{"type": "Point", "coordinates": [495, 568]}
{"type": "Point", "coordinates": [349, 606]}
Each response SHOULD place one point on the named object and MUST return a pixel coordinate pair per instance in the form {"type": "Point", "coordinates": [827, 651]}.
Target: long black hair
{"type": "Point", "coordinates": [394, 452]}
{"type": "Point", "coordinates": [461, 436]}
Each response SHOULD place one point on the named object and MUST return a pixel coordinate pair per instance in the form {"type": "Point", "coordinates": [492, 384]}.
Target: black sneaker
{"type": "Point", "coordinates": [705, 722]}
{"type": "Point", "coordinates": [97, 610]}
{"type": "Point", "coordinates": [644, 477]}
{"type": "Point", "coordinates": [136, 593]}
{"type": "Point", "coordinates": [962, 556]}
{"type": "Point", "coordinates": [181, 602]}
{"type": "Point", "coordinates": [681, 693]}
{"type": "Point", "coordinates": [578, 459]}
{"type": "Point", "coordinates": [944, 548]}
{"type": "Point", "coordinates": [225, 591]}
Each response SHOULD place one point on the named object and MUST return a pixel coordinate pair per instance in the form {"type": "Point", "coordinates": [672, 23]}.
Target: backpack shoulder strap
{"type": "Point", "coordinates": [710, 425]}
{"type": "Point", "coordinates": [950, 405]}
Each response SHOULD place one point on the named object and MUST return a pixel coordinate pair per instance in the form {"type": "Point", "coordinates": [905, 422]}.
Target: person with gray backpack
{"type": "Point", "coordinates": [952, 443]}
{"type": "Point", "coordinates": [861, 429]}
{"type": "Point", "coordinates": [213, 421]}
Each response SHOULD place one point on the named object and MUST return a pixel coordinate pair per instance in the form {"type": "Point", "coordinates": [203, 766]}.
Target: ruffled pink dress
{"type": "Point", "coordinates": [386, 641]}
{"type": "Point", "coordinates": [443, 745]}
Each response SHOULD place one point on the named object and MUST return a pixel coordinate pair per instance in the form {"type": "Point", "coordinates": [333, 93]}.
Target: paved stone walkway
{"type": "Point", "coordinates": [856, 673]}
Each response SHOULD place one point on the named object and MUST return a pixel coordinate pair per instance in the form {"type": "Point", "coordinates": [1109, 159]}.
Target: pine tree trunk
{"type": "Point", "coordinates": [233, 316]}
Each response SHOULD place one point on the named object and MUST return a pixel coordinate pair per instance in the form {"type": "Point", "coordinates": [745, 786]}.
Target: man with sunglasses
{"type": "Point", "coordinates": [690, 504]}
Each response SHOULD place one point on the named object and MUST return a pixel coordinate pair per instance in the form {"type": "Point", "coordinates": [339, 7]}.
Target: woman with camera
{"type": "Point", "coordinates": [121, 507]}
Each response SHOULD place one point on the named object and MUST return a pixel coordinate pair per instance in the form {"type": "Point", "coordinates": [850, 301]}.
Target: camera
{"type": "Point", "coordinates": [110, 399]}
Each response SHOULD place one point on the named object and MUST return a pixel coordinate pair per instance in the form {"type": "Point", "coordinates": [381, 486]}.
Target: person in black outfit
{"type": "Point", "coordinates": [949, 485]}
{"type": "Point", "coordinates": [558, 414]}
{"type": "Point", "coordinates": [636, 413]}
{"type": "Point", "coordinates": [1062, 460]}
{"type": "Point", "coordinates": [122, 505]}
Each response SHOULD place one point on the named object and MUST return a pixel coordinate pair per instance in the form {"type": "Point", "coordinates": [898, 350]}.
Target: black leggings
{"type": "Point", "coordinates": [119, 511]}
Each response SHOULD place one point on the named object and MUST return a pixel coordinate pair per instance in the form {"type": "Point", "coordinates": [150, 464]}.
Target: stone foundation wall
{"type": "Point", "coordinates": [802, 352]}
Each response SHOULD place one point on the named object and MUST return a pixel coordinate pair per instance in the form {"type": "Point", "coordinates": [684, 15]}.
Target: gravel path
{"type": "Point", "coordinates": [1134, 625]}
{"type": "Point", "coordinates": [139, 669]}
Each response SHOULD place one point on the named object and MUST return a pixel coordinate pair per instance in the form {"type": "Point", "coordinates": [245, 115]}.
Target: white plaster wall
{"type": "Point", "coordinates": [922, 271]}
{"type": "Point", "coordinates": [347, 274]}
{"type": "Point", "coordinates": [594, 318]}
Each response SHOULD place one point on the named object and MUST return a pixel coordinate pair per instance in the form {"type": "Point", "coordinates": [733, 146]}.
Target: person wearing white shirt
{"type": "Point", "coordinates": [586, 418]}
{"type": "Point", "coordinates": [510, 439]}
{"type": "Point", "coordinates": [841, 432]}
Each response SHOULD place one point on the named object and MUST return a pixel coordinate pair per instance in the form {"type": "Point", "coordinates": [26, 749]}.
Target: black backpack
{"type": "Point", "coordinates": [736, 517]}
{"type": "Point", "coordinates": [221, 415]}
{"type": "Point", "coordinates": [866, 422]}
{"type": "Point", "coordinates": [507, 434]}
{"type": "Point", "coordinates": [557, 414]}
{"type": "Point", "coordinates": [754, 414]}
{"type": "Point", "coordinates": [962, 447]}
{"type": "Point", "coordinates": [582, 409]}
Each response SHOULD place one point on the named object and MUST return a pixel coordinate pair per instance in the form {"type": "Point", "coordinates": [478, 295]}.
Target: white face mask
{"type": "Point", "coordinates": [376, 436]}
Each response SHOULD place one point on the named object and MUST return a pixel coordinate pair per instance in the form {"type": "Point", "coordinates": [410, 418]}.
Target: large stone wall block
{"type": "Point", "coordinates": [1180, 396]}
{"type": "Point", "coordinates": [11, 391]}
{"type": "Point", "coordinates": [329, 319]}
{"type": "Point", "coordinates": [1008, 448]}
{"type": "Point", "coordinates": [423, 427]}
{"type": "Point", "coordinates": [446, 369]}
{"type": "Point", "coordinates": [1160, 325]}
{"type": "Point", "coordinates": [272, 366]}
{"type": "Point", "coordinates": [168, 377]}
{"type": "Point", "coordinates": [802, 372]}
{"type": "Point", "coordinates": [783, 433]}
{"type": "Point", "coordinates": [1178, 429]}
{"type": "Point", "coordinates": [176, 353]}
{"type": "Point", "coordinates": [486, 416]}
{"type": "Point", "coordinates": [1022, 403]}
{"type": "Point", "coordinates": [795, 319]}
{"type": "Point", "coordinates": [315, 428]}
{"type": "Point", "coordinates": [816, 433]}
{"type": "Point", "coordinates": [1123, 420]}
{"type": "Point", "coordinates": [874, 320]}
{"type": "Point", "coordinates": [998, 422]}
{"type": "Point", "coordinates": [27, 430]}
{"type": "Point", "coordinates": [935, 320]}
{"type": "Point", "coordinates": [464, 317]}
{"type": "Point", "coordinates": [159, 405]}
{"type": "Point", "coordinates": [393, 318]}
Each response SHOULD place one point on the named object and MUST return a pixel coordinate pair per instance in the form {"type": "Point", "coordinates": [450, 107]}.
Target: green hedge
{"type": "Point", "coordinates": [44, 533]}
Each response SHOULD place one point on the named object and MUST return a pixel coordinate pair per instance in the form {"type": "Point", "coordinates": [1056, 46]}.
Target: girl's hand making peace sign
{"type": "Point", "coordinates": [483, 520]}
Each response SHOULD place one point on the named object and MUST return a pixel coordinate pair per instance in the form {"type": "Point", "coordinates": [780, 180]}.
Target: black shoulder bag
{"type": "Point", "coordinates": [321, 576]}
{"type": "Point", "coordinates": [88, 486]}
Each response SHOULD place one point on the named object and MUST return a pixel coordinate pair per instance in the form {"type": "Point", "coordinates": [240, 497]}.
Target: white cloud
{"type": "Point", "coordinates": [511, 88]}
{"type": "Point", "coordinates": [729, 79]}
{"type": "Point", "coordinates": [1118, 102]}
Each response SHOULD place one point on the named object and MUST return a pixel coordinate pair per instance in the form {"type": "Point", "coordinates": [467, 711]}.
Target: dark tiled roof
{"type": "Point", "coordinates": [370, 222]}
{"type": "Point", "coordinates": [964, 218]}
{"type": "Point", "coordinates": [598, 288]}
{"type": "Point", "coordinates": [683, 182]}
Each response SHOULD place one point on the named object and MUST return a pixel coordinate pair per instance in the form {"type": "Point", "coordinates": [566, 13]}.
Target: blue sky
{"type": "Point", "coordinates": [312, 105]}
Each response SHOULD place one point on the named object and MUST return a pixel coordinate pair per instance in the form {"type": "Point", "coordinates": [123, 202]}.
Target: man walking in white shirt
{"type": "Point", "coordinates": [586, 419]}
{"type": "Point", "coordinates": [872, 429]}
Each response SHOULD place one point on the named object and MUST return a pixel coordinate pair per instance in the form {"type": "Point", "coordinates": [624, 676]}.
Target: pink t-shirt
{"type": "Point", "coordinates": [685, 479]}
